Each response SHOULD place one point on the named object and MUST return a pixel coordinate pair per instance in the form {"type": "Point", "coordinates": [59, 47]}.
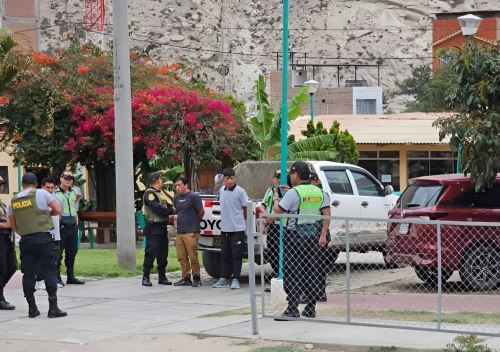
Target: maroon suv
{"type": "Point", "coordinates": [474, 250]}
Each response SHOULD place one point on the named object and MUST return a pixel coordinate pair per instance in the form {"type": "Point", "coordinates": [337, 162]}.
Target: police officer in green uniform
{"type": "Point", "coordinates": [304, 237]}
{"type": "Point", "coordinates": [6, 251]}
{"type": "Point", "coordinates": [30, 216]}
{"type": "Point", "coordinates": [156, 211]}
{"type": "Point", "coordinates": [68, 228]}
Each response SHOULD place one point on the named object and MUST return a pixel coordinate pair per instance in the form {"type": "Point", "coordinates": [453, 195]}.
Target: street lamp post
{"type": "Point", "coordinates": [469, 24]}
{"type": "Point", "coordinates": [313, 88]}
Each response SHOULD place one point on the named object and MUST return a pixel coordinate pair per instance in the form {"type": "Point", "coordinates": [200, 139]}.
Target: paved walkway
{"type": "Point", "coordinates": [118, 309]}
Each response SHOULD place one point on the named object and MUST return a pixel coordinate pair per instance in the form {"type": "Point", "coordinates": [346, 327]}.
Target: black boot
{"type": "Point", "coordinates": [54, 311]}
{"type": "Point", "coordinates": [292, 311]}
{"type": "Point", "coordinates": [72, 280]}
{"type": "Point", "coordinates": [32, 308]}
{"type": "Point", "coordinates": [4, 305]}
{"type": "Point", "coordinates": [162, 279]}
{"type": "Point", "coordinates": [309, 311]}
{"type": "Point", "coordinates": [146, 281]}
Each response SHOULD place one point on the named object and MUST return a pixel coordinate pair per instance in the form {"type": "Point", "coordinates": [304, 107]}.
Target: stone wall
{"type": "Point", "coordinates": [245, 35]}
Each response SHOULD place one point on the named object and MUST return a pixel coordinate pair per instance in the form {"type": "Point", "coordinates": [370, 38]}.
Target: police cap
{"type": "Point", "coordinates": [152, 177]}
{"type": "Point", "coordinates": [29, 178]}
{"type": "Point", "coordinates": [67, 175]}
{"type": "Point", "coordinates": [302, 169]}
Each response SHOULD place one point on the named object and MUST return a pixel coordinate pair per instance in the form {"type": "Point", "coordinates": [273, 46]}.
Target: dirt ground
{"type": "Point", "coordinates": [150, 343]}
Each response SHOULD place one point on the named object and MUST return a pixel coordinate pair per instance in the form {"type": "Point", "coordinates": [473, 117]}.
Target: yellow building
{"type": "Point", "coordinates": [8, 171]}
{"type": "Point", "coordinates": [395, 147]}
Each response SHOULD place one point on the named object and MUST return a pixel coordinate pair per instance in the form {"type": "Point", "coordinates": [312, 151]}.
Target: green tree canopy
{"type": "Point", "coordinates": [475, 96]}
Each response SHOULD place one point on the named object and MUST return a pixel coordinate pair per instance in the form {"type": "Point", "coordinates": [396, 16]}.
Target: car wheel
{"type": "Point", "coordinates": [389, 264]}
{"type": "Point", "coordinates": [211, 262]}
{"type": "Point", "coordinates": [480, 269]}
{"type": "Point", "coordinates": [430, 275]}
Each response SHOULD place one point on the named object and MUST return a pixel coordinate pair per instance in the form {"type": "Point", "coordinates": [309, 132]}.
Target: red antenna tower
{"type": "Point", "coordinates": [93, 16]}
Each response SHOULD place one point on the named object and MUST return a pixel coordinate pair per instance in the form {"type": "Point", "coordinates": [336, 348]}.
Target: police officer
{"type": "Point", "coordinates": [30, 216]}
{"type": "Point", "coordinates": [6, 251]}
{"type": "Point", "coordinates": [303, 239]}
{"type": "Point", "coordinates": [68, 226]}
{"type": "Point", "coordinates": [156, 211]}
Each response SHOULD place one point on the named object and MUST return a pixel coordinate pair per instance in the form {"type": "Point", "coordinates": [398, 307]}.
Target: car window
{"type": "Point", "coordinates": [366, 186]}
{"type": "Point", "coordinates": [419, 195]}
{"type": "Point", "coordinates": [338, 181]}
{"type": "Point", "coordinates": [489, 199]}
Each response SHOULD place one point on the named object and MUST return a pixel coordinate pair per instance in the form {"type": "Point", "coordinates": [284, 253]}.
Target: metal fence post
{"type": "Point", "coordinates": [251, 266]}
{"type": "Point", "coordinates": [440, 279]}
{"type": "Point", "coordinates": [347, 273]}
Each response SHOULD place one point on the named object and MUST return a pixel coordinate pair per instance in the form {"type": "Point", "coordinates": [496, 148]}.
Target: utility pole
{"type": "Point", "coordinates": [125, 215]}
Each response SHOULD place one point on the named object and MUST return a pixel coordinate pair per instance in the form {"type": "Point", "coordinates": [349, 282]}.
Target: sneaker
{"type": "Point", "coordinates": [40, 285]}
{"type": "Point", "coordinates": [196, 281]}
{"type": "Point", "coordinates": [235, 284]}
{"type": "Point", "coordinates": [184, 282]}
{"type": "Point", "coordinates": [292, 311]}
{"type": "Point", "coordinates": [221, 283]}
{"type": "Point", "coordinates": [60, 283]}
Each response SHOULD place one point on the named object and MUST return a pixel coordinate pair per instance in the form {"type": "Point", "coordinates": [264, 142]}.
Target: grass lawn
{"type": "Point", "coordinates": [103, 263]}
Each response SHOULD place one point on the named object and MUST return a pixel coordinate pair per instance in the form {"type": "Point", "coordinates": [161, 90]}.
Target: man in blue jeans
{"type": "Point", "coordinates": [233, 213]}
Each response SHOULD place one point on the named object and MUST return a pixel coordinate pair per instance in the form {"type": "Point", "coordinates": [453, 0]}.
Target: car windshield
{"type": "Point", "coordinates": [419, 195]}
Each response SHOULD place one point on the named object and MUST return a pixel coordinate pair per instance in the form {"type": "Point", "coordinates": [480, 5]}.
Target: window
{"type": "Point", "coordinates": [425, 163]}
{"type": "Point", "coordinates": [4, 172]}
{"type": "Point", "coordinates": [338, 181]}
{"type": "Point", "coordinates": [366, 106]}
{"type": "Point", "coordinates": [489, 199]}
{"type": "Point", "coordinates": [419, 195]}
{"type": "Point", "coordinates": [366, 186]}
{"type": "Point", "coordinates": [384, 165]}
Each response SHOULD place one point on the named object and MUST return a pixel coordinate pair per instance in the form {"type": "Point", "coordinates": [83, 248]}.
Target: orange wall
{"type": "Point", "coordinates": [488, 29]}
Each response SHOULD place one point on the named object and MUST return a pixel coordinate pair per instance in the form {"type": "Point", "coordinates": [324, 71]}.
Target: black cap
{"type": "Point", "coordinates": [68, 174]}
{"type": "Point", "coordinates": [154, 176]}
{"type": "Point", "coordinates": [277, 174]}
{"type": "Point", "coordinates": [29, 178]}
{"type": "Point", "coordinates": [302, 169]}
{"type": "Point", "coordinates": [314, 176]}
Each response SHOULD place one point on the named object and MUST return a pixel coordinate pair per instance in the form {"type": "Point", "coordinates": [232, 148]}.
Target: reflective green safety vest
{"type": "Point", "coordinates": [28, 217]}
{"type": "Point", "coordinates": [311, 200]}
{"type": "Point", "coordinates": [68, 202]}
{"type": "Point", "coordinates": [151, 194]}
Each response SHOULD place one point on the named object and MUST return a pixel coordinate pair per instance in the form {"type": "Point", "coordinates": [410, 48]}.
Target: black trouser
{"type": "Point", "coordinates": [273, 246]}
{"type": "Point", "coordinates": [5, 248]}
{"type": "Point", "coordinates": [156, 248]}
{"type": "Point", "coordinates": [38, 256]}
{"type": "Point", "coordinates": [232, 245]}
{"type": "Point", "coordinates": [304, 275]}
{"type": "Point", "coordinates": [68, 245]}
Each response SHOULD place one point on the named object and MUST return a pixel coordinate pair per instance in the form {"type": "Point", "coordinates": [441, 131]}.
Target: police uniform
{"type": "Point", "coordinates": [31, 215]}
{"type": "Point", "coordinates": [157, 209]}
{"type": "Point", "coordinates": [304, 276]}
{"type": "Point", "coordinates": [68, 230]}
{"type": "Point", "coordinates": [273, 229]}
{"type": "Point", "coordinates": [7, 256]}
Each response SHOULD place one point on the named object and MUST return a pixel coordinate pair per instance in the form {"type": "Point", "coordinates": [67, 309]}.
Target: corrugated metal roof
{"type": "Point", "coordinates": [405, 128]}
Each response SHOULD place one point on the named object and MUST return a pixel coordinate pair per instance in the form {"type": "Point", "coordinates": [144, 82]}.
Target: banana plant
{"type": "Point", "coordinates": [12, 58]}
{"type": "Point", "coordinates": [266, 124]}
{"type": "Point", "coordinates": [314, 148]}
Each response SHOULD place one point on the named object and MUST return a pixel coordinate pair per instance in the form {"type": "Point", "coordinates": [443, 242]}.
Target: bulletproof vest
{"type": "Point", "coordinates": [149, 214]}
{"type": "Point", "coordinates": [311, 199]}
{"type": "Point", "coordinates": [28, 217]}
{"type": "Point", "coordinates": [68, 202]}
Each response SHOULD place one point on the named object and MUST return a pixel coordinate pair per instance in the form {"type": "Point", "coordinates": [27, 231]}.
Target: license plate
{"type": "Point", "coordinates": [403, 229]}
{"type": "Point", "coordinates": [216, 241]}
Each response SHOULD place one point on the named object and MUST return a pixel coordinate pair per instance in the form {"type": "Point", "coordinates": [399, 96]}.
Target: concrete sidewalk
{"type": "Point", "coordinates": [105, 310]}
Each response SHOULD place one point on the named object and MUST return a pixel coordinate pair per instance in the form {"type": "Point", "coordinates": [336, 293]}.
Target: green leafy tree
{"type": "Point", "coordinates": [322, 144]}
{"type": "Point", "coordinates": [475, 96]}
{"type": "Point", "coordinates": [429, 91]}
{"type": "Point", "coordinates": [266, 124]}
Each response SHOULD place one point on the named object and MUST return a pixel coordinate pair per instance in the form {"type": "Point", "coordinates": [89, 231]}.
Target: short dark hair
{"type": "Point", "coordinates": [229, 171]}
{"type": "Point", "coordinates": [48, 180]}
{"type": "Point", "coordinates": [183, 179]}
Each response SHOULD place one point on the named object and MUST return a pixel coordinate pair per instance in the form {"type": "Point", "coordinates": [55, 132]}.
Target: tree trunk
{"type": "Point", "coordinates": [191, 172]}
{"type": "Point", "coordinates": [105, 187]}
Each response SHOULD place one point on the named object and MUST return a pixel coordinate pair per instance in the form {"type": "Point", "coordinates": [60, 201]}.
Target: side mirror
{"type": "Point", "coordinates": [388, 190]}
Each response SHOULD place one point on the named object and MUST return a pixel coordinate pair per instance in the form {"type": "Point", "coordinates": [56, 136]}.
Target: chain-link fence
{"type": "Point", "coordinates": [412, 273]}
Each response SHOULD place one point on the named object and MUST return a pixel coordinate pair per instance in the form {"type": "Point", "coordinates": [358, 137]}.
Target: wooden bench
{"type": "Point", "coordinates": [103, 222]}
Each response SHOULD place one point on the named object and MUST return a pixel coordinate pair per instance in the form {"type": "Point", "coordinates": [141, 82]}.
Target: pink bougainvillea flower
{"type": "Point", "coordinates": [4, 100]}
{"type": "Point", "coordinates": [227, 150]}
{"type": "Point", "coordinates": [199, 126]}
{"type": "Point", "coordinates": [175, 66]}
{"type": "Point", "coordinates": [83, 70]}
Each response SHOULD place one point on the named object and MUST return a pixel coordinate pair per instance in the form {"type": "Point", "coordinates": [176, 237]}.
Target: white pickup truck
{"type": "Point", "coordinates": [354, 193]}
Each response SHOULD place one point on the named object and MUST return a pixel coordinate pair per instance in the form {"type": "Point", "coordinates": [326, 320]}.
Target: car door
{"type": "Point", "coordinates": [343, 200]}
{"type": "Point", "coordinates": [371, 203]}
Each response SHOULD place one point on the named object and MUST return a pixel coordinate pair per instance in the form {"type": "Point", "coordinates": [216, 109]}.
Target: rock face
{"type": "Point", "coordinates": [245, 35]}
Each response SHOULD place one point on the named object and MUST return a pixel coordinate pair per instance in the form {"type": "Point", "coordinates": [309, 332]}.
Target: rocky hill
{"type": "Point", "coordinates": [245, 35]}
